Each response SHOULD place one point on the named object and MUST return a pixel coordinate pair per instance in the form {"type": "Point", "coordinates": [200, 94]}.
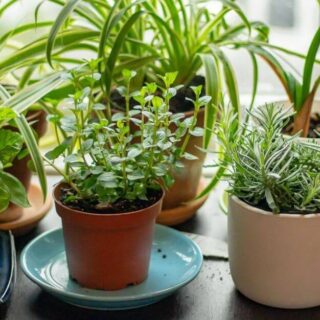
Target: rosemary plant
{"type": "Point", "coordinates": [126, 156]}
{"type": "Point", "coordinates": [267, 169]}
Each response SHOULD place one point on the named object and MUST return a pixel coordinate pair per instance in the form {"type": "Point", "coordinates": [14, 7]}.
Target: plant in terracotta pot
{"type": "Point", "coordinates": [301, 89]}
{"type": "Point", "coordinates": [274, 210]}
{"type": "Point", "coordinates": [18, 139]}
{"type": "Point", "coordinates": [154, 37]}
{"type": "Point", "coordinates": [114, 178]}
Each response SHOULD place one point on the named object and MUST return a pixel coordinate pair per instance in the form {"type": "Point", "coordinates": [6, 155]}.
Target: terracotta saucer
{"type": "Point", "coordinates": [31, 216]}
{"type": "Point", "coordinates": [174, 216]}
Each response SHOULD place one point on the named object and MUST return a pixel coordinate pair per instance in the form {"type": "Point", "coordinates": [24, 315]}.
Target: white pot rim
{"type": "Point", "coordinates": [254, 210]}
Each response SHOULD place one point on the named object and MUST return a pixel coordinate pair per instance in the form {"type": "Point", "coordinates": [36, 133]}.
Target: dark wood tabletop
{"type": "Point", "coordinates": [211, 296]}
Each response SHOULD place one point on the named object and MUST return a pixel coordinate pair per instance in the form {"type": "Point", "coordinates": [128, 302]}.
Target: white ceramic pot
{"type": "Point", "coordinates": [274, 259]}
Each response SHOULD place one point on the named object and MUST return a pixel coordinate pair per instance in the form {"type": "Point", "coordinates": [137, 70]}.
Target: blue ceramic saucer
{"type": "Point", "coordinates": [175, 261]}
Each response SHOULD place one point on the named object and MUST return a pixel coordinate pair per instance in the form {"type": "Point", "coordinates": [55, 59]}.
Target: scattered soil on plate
{"type": "Point", "coordinates": [314, 130]}
{"type": "Point", "coordinates": [120, 206]}
{"type": "Point", "coordinates": [178, 103]}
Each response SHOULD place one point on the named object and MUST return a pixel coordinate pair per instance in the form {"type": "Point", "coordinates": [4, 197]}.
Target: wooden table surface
{"type": "Point", "coordinates": [211, 296]}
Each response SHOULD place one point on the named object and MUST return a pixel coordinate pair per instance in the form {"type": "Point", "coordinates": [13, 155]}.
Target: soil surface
{"type": "Point", "coordinates": [178, 103]}
{"type": "Point", "coordinates": [314, 130]}
{"type": "Point", "coordinates": [120, 206]}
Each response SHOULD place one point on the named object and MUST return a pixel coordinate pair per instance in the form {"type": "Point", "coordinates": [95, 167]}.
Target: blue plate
{"type": "Point", "coordinates": [175, 261]}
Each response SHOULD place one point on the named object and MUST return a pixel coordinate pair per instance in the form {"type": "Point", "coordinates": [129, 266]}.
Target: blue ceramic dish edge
{"type": "Point", "coordinates": [156, 294]}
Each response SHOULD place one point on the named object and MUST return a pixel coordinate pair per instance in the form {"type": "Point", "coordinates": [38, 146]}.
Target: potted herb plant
{"type": "Point", "coordinates": [273, 213]}
{"type": "Point", "coordinates": [114, 176]}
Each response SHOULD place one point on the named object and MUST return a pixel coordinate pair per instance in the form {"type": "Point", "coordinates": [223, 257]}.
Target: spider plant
{"type": "Point", "coordinates": [153, 37]}
{"type": "Point", "coordinates": [301, 90]}
{"type": "Point", "coordinates": [15, 105]}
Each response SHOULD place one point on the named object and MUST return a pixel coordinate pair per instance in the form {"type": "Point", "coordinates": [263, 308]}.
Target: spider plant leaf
{"type": "Point", "coordinates": [230, 78]}
{"type": "Point", "coordinates": [63, 15]}
{"type": "Point", "coordinates": [213, 183]}
{"type": "Point", "coordinates": [207, 29]}
{"type": "Point", "coordinates": [7, 6]}
{"type": "Point", "coordinates": [276, 67]}
{"type": "Point", "coordinates": [4, 94]}
{"type": "Point", "coordinates": [134, 64]}
{"type": "Point", "coordinates": [24, 28]}
{"type": "Point", "coordinates": [29, 95]}
{"type": "Point", "coordinates": [38, 47]}
{"type": "Point", "coordinates": [118, 42]}
{"type": "Point", "coordinates": [213, 87]}
{"type": "Point", "coordinates": [34, 152]}
{"type": "Point", "coordinates": [309, 63]}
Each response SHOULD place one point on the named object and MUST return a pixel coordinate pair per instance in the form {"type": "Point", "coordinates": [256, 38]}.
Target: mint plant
{"type": "Point", "coordinates": [268, 169]}
{"type": "Point", "coordinates": [124, 156]}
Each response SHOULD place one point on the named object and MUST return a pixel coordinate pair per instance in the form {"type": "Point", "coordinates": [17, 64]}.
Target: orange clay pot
{"type": "Point", "coordinates": [107, 251]}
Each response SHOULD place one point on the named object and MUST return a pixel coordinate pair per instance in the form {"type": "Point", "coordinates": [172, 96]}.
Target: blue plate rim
{"type": "Point", "coordinates": [68, 294]}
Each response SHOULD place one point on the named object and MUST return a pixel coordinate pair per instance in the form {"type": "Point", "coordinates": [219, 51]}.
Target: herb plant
{"type": "Point", "coordinates": [125, 156]}
{"type": "Point", "coordinates": [267, 169]}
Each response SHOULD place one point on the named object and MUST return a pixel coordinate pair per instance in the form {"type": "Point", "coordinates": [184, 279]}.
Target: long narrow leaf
{"type": "Point", "coordinates": [29, 95]}
{"type": "Point", "coordinates": [213, 89]}
{"type": "Point", "coordinates": [309, 63]}
{"type": "Point", "coordinates": [34, 152]}
{"type": "Point", "coordinates": [63, 15]}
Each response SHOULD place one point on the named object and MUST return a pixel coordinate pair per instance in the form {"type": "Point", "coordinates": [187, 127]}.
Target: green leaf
{"type": "Point", "coordinates": [117, 45]}
{"type": "Point", "coordinates": [58, 150]}
{"type": "Point", "coordinates": [213, 89]}
{"type": "Point", "coordinates": [4, 198]}
{"type": "Point", "coordinates": [34, 152]}
{"type": "Point", "coordinates": [31, 94]}
{"type": "Point", "coordinates": [189, 156]}
{"type": "Point", "coordinates": [4, 94]}
{"type": "Point", "coordinates": [10, 145]}
{"type": "Point", "coordinates": [63, 15]}
{"type": "Point", "coordinates": [309, 64]}
{"type": "Point", "coordinates": [17, 192]}
{"type": "Point", "coordinates": [230, 78]}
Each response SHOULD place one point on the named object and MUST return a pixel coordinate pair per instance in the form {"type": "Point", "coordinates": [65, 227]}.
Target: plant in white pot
{"type": "Point", "coordinates": [114, 176]}
{"type": "Point", "coordinates": [274, 210]}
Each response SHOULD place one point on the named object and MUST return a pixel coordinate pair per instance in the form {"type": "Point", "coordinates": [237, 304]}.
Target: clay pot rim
{"type": "Point", "coordinates": [58, 185]}
{"type": "Point", "coordinates": [257, 211]}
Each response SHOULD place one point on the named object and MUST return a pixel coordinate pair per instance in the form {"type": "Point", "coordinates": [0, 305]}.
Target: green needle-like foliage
{"type": "Point", "coordinates": [268, 169]}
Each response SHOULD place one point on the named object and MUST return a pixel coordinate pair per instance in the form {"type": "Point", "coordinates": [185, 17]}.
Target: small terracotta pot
{"type": "Point", "coordinates": [274, 258]}
{"type": "Point", "coordinates": [20, 167]}
{"type": "Point", "coordinates": [107, 251]}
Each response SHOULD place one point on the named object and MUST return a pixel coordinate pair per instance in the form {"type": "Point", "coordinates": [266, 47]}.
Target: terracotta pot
{"type": "Point", "coordinates": [107, 251]}
{"type": "Point", "coordinates": [274, 258]}
{"type": "Point", "coordinates": [13, 212]}
{"type": "Point", "coordinates": [20, 167]}
{"type": "Point", "coordinates": [187, 179]}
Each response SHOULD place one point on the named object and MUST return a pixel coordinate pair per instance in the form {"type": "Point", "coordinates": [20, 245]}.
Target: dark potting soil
{"type": "Point", "coordinates": [178, 103]}
{"type": "Point", "coordinates": [314, 129]}
{"type": "Point", "coordinates": [120, 206]}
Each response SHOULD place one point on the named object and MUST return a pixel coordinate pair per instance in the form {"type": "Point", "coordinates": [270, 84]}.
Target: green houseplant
{"type": "Point", "coordinates": [273, 212]}
{"type": "Point", "coordinates": [137, 35]}
{"type": "Point", "coordinates": [301, 90]}
{"type": "Point", "coordinates": [114, 177]}
{"type": "Point", "coordinates": [18, 139]}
